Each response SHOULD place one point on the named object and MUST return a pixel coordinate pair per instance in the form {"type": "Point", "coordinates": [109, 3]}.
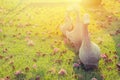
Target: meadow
{"type": "Point", "coordinates": [32, 46]}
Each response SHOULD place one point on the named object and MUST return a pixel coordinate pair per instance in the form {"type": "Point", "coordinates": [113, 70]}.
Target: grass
{"type": "Point", "coordinates": [41, 25]}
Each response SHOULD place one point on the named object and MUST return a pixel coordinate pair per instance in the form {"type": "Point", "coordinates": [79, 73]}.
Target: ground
{"type": "Point", "coordinates": [32, 45]}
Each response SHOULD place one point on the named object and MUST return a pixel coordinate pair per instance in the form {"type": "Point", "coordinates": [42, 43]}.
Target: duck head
{"type": "Point", "coordinates": [86, 19]}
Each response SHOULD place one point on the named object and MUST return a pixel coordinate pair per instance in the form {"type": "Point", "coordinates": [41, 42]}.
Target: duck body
{"type": "Point", "coordinates": [75, 37]}
{"type": "Point", "coordinates": [65, 27]}
{"type": "Point", "coordinates": [89, 55]}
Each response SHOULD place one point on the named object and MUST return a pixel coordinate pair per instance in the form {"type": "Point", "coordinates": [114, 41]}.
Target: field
{"type": "Point", "coordinates": [30, 34]}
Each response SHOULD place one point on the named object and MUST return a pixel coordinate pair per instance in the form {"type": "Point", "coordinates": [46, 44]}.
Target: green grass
{"type": "Point", "coordinates": [41, 24]}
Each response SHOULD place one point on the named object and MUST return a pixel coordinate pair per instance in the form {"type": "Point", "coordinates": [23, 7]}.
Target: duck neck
{"type": "Point", "coordinates": [78, 21]}
{"type": "Point", "coordinates": [67, 18]}
{"type": "Point", "coordinates": [86, 38]}
{"type": "Point", "coordinates": [77, 18]}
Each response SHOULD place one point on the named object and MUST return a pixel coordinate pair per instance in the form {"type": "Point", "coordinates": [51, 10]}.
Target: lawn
{"type": "Point", "coordinates": [32, 45]}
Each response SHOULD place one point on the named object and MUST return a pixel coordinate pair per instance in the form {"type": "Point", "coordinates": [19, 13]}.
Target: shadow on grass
{"type": "Point", "coordinates": [86, 74]}
{"type": "Point", "coordinates": [20, 77]}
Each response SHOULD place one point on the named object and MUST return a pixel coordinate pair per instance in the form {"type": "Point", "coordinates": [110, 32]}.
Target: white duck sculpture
{"type": "Point", "coordinates": [75, 35]}
{"type": "Point", "coordinates": [89, 52]}
{"type": "Point", "coordinates": [67, 26]}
